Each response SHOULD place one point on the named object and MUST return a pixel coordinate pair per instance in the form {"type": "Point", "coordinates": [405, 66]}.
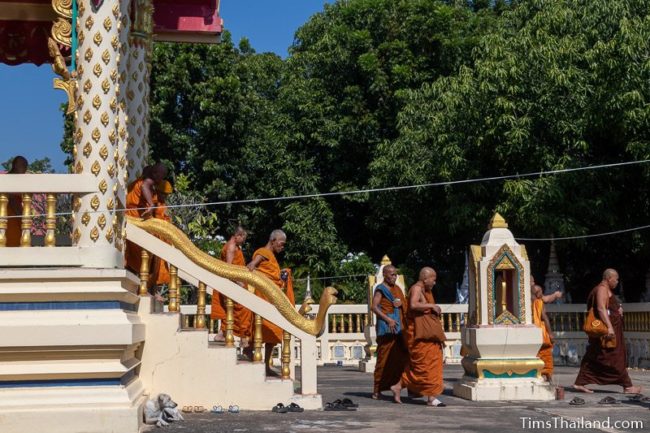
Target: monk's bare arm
{"type": "Point", "coordinates": [147, 192]}
{"type": "Point", "coordinates": [230, 252]}
{"type": "Point", "coordinates": [255, 262]}
{"type": "Point", "coordinates": [415, 300]}
{"type": "Point", "coordinates": [547, 323]}
{"type": "Point", "coordinates": [602, 299]}
{"type": "Point", "coordinates": [552, 297]}
{"type": "Point", "coordinates": [376, 299]}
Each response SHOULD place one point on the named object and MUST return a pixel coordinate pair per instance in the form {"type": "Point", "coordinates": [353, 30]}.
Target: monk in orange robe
{"type": "Point", "coordinates": [232, 253]}
{"type": "Point", "coordinates": [160, 269]}
{"type": "Point", "coordinates": [264, 260]}
{"type": "Point", "coordinates": [389, 304]}
{"type": "Point", "coordinates": [540, 319]}
{"type": "Point", "coordinates": [140, 203]}
{"type": "Point", "coordinates": [423, 373]}
{"type": "Point", "coordinates": [15, 207]}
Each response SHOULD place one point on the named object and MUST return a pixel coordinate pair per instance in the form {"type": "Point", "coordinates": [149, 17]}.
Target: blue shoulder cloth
{"type": "Point", "coordinates": [382, 325]}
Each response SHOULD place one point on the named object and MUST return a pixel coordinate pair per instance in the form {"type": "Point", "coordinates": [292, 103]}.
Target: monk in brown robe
{"type": "Point", "coordinates": [140, 203]}
{"type": "Point", "coordinates": [232, 253]}
{"type": "Point", "coordinates": [389, 304]}
{"type": "Point", "coordinates": [265, 261]}
{"type": "Point", "coordinates": [160, 269]}
{"type": "Point", "coordinates": [423, 373]}
{"type": "Point", "coordinates": [540, 319]}
{"type": "Point", "coordinates": [602, 365]}
{"type": "Point", "coordinates": [15, 207]}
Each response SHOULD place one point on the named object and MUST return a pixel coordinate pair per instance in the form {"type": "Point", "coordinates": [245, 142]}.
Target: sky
{"type": "Point", "coordinates": [32, 124]}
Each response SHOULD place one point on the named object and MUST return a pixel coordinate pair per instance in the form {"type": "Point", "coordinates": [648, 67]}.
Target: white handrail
{"type": "Point", "coordinates": [47, 183]}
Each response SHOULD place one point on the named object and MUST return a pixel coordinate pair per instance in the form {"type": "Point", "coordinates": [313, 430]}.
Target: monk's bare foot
{"type": "Point", "coordinates": [582, 389]}
{"type": "Point", "coordinates": [375, 396]}
{"type": "Point", "coordinates": [632, 390]}
{"type": "Point", "coordinates": [396, 390]}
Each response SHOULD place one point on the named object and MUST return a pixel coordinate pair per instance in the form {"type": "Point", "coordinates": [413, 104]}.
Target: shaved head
{"type": "Point", "coordinates": [388, 269]}
{"type": "Point", "coordinates": [19, 165]}
{"type": "Point", "coordinates": [277, 234]}
{"type": "Point", "coordinates": [428, 277]}
{"type": "Point", "coordinates": [426, 272]}
{"type": "Point", "coordinates": [609, 272]}
{"type": "Point", "coordinates": [239, 230]}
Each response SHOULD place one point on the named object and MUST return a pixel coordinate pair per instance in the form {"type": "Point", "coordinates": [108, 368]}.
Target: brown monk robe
{"type": "Point", "coordinates": [232, 253]}
{"type": "Point", "coordinates": [602, 365]}
{"type": "Point", "coordinates": [540, 319]}
{"type": "Point", "coordinates": [15, 207]}
{"type": "Point", "coordinates": [264, 260]}
{"type": "Point", "coordinates": [423, 373]}
{"type": "Point", "coordinates": [140, 202]}
{"type": "Point", "coordinates": [160, 269]}
{"type": "Point", "coordinates": [392, 354]}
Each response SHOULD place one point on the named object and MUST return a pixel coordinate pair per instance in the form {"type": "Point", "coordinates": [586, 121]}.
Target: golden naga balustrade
{"type": "Point", "coordinates": [26, 219]}
{"type": "Point", "coordinates": [255, 279]}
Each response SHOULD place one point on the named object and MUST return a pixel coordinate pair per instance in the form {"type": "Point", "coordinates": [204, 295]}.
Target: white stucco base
{"type": "Point", "coordinates": [504, 389]}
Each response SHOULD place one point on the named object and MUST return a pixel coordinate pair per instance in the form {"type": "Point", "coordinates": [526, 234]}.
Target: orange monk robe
{"type": "Point", "coordinates": [14, 232]}
{"type": "Point", "coordinates": [160, 272]}
{"type": "Point", "coordinates": [135, 206]}
{"type": "Point", "coordinates": [423, 373]}
{"type": "Point", "coordinates": [546, 352]}
{"type": "Point", "coordinates": [271, 333]}
{"type": "Point", "coordinates": [392, 355]}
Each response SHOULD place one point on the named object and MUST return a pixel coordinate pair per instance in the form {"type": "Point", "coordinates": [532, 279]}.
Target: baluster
{"type": "Point", "coordinates": [50, 221]}
{"type": "Point", "coordinates": [4, 206]}
{"type": "Point", "coordinates": [230, 322]}
{"type": "Point", "coordinates": [358, 328]}
{"type": "Point", "coordinates": [211, 325]}
{"type": "Point", "coordinates": [257, 339]}
{"type": "Point", "coordinates": [341, 323]}
{"type": "Point", "coordinates": [286, 355]}
{"type": "Point", "coordinates": [577, 320]}
{"type": "Point", "coordinates": [200, 307]}
{"type": "Point", "coordinates": [186, 321]}
{"type": "Point", "coordinates": [26, 224]}
{"type": "Point", "coordinates": [465, 318]}
{"type": "Point", "coordinates": [562, 322]}
{"type": "Point", "coordinates": [570, 320]}
{"type": "Point", "coordinates": [333, 328]}
{"type": "Point", "coordinates": [350, 328]}
{"type": "Point", "coordinates": [144, 273]}
{"type": "Point", "coordinates": [173, 289]}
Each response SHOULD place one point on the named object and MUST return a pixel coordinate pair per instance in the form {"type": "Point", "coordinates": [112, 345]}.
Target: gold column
{"type": "Point", "coordinates": [333, 328]}
{"type": "Point", "coordinates": [200, 307]}
{"type": "Point", "coordinates": [26, 224]}
{"type": "Point", "coordinates": [144, 273]}
{"type": "Point", "coordinates": [230, 338]}
{"type": "Point", "coordinates": [350, 329]}
{"type": "Point", "coordinates": [173, 289]}
{"type": "Point", "coordinates": [286, 355]}
{"type": "Point", "coordinates": [211, 325]}
{"type": "Point", "coordinates": [358, 328]}
{"type": "Point", "coordinates": [257, 339]}
{"type": "Point", "coordinates": [50, 221]}
{"type": "Point", "coordinates": [186, 321]}
{"type": "Point", "coordinates": [562, 322]}
{"type": "Point", "coordinates": [457, 322]}
{"type": "Point", "coordinates": [4, 204]}
{"type": "Point", "coordinates": [578, 326]}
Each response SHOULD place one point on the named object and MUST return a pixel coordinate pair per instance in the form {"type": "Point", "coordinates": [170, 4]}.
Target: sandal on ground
{"type": "Point", "coordinates": [577, 401]}
{"type": "Point", "coordinates": [187, 409]}
{"type": "Point", "coordinates": [199, 409]}
{"type": "Point", "coordinates": [636, 397]}
{"type": "Point", "coordinates": [233, 408]}
{"type": "Point", "coordinates": [337, 407]}
{"type": "Point", "coordinates": [280, 408]}
{"type": "Point", "coordinates": [293, 407]}
{"type": "Point", "coordinates": [346, 402]}
{"type": "Point", "coordinates": [217, 409]}
{"type": "Point", "coordinates": [608, 400]}
{"type": "Point", "coordinates": [441, 404]}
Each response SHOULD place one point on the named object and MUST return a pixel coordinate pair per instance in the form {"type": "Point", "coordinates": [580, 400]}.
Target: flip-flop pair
{"type": "Point", "coordinates": [577, 401]}
{"type": "Point", "coordinates": [608, 400]}
{"type": "Point", "coordinates": [338, 407]}
{"type": "Point", "coordinates": [346, 402]}
{"type": "Point", "coordinates": [233, 408]}
{"type": "Point", "coordinates": [195, 409]}
{"type": "Point", "coordinates": [280, 408]}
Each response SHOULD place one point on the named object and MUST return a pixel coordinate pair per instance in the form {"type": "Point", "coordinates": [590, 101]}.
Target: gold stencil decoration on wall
{"type": "Point", "coordinates": [103, 152]}
{"type": "Point", "coordinates": [76, 235]}
{"type": "Point", "coordinates": [116, 10]}
{"type": "Point", "coordinates": [106, 57]}
{"type": "Point", "coordinates": [130, 95]}
{"type": "Point", "coordinates": [80, 101]}
{"type": "Point", "coordinates": [113, 104]}
{"type": "Point", "coordinates": [97, 70]}
{"type": "Point", "coordinates": [96, 135]}
{"type": "Point", "coordinates": [78, 168]}
{"type": "Point", "coordinates": [74, 150]}
{"type": "Point", "coordinates": [112, 136]}
{"type": "Point", "coordinates": [76, 204]}
{"type": "Point", "coordinates": [122, 133]}
{"type": "Point", "coordinates": [87, 149]}
{"type": "Point", "coordinates": [101, 221]}
{"type": "Point", "coordinates": [85, 218]}
{"type": "Point", "coordinates": [108, 24]}
{"type": "Point", "coordinates": [87, 86]}
{"type": "Point", "coordinates": [115, 43]}
{"type": "Point", "coordinates": [94, 234]}
{"type": "Point", "coordinates": [106, 86]}
{"type": "Point", "coordinates": [114, 76]}
{"type": "Point", "coordinates": [89, 22]}
{"type": "Point", "coordinates": [94, 202]}
{"type": "Point", "coordinates": [97, 39]}
{"type": "Point", "coordinates": [104, 119]}
{"type": "Point", "coordinates": [109, 235]}
{"type": "Point", "coordinates": [95, 169]}
{"type": "Point", "coordinates": [87, 117]}
{"type": "Point", "coordinates": [78, 135]}
{"type": "Point", "coordinates": [111, 204]}
{"type": "Point", "coordinates": [97, 102]}
{"type": "Point", "coordinates": [111, 170]}
{"type": "Point", "coordinates": [103, 186]}
{"type": "Point", "coordinates": [122, 161]}
{"type": "Point", "coordinates": [81, 36]}
{"type": "Point", "coordinates": [89, 54]}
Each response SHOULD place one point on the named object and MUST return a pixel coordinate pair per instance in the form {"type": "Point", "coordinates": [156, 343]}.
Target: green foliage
{"type": "Point", "coordinates": [43, 165]}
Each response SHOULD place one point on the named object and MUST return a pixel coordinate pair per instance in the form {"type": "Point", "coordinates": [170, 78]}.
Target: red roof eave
{"type": "Point", "coordinates": [189, 21]}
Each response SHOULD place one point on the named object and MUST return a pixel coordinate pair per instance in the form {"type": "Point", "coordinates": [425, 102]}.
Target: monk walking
{"type": "Point", "coordinates": [540, 319]}
{"type": "Point", "coordinates": [423, 373]}
{"type": "Point", "coordinates": [606, 365]}
{"type": "Point", "coordinates": [160, 269]}
{"type": "Point", "coordinates": [389, 304]}
{"type": "Point", "coordinates": [232, 253]}
{"type": "Point", "coordinates": [265, 261]}
{"type": "Point", "coordinates": [15, 207]}
{"type": "Point", "coordinates": [140, 202]}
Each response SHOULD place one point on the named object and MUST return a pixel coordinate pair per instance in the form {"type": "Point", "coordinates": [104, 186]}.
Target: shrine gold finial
{"type": "Point", "coordinates": [497, 222]}
{"type": "Point", "coordinates": [385, 261]}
